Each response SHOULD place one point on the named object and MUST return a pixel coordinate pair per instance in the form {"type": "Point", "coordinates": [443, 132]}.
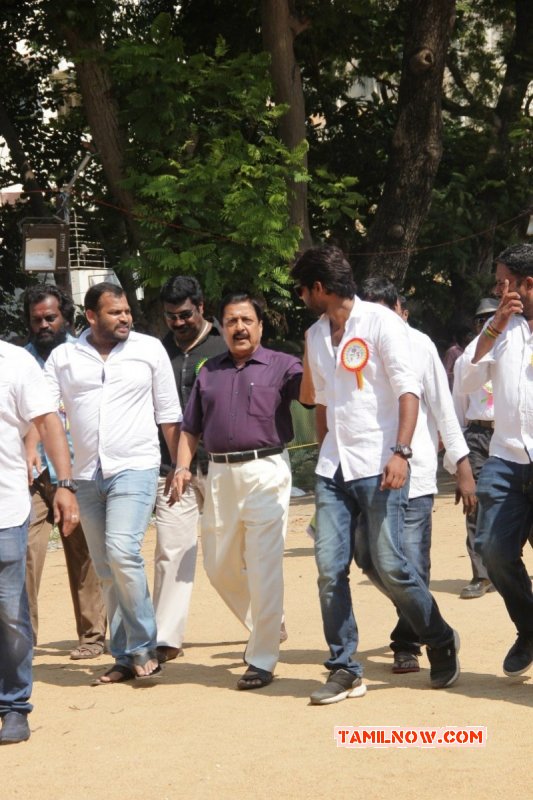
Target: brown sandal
{"type": "Point", "coordinates": [90, 650]}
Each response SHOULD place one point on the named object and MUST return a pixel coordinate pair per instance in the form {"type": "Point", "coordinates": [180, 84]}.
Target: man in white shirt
{"type": "Point", "coordinates": [24, 398]}
{"type": "Point", "coordinates": [436, 415]}
{"type": "Point", "coordinates": [115, 386]}
{"type": "Point", "coordinates": [475, 412]}
{"type": "Point", "coordinates": [504, 354]}
{"type": "Point", "coordinates": [367, 405]}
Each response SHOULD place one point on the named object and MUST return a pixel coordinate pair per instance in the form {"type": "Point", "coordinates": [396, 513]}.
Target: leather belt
{"type": "Point", "coordinates": [244, 455]}
{"type": "Point", "coordinates": [482, 423]}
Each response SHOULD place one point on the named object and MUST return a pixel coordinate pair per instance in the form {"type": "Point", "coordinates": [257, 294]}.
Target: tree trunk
{"type": "Point", "coordinates": [518, 76]}
{"type": "Point", "coordinates": [417, 142]}
{"type": "Point", "coordinates": [279, 31]}
{"type": "Point", "coordinates": [22, 163]}
{"type": "Point", "coordinates": [102, 115]}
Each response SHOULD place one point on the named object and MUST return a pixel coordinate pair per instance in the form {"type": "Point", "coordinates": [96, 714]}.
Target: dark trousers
{"type": "Point", "coordinates": [478, 441]}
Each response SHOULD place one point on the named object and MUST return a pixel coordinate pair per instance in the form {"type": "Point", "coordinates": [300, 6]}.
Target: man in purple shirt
{"type": "Point", "coordinates": [240, 406]}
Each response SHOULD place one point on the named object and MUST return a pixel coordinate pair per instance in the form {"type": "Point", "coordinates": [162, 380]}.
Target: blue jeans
{"type": "Point", "coordinates": [115, 513]}
{"type": "Point", "coordinates": [338, 506]}
{"type": "Point", "coordinates": [16, 635]}
{"type": "Point", "coordinates": [504, 520]}
{"type": "Point", "coordinates": [416, 546]}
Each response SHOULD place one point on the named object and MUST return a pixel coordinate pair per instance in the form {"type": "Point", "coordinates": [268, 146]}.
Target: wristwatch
{"type": "Point", "coordinates": [67, 483]}
{"type": "Point", "coordinates": [402, 450]}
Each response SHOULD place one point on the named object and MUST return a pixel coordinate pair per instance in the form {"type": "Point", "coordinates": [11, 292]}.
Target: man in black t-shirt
{"type": "Point", "coordinates": [190, 342]}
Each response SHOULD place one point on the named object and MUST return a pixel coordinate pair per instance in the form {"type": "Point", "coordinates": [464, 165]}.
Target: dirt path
{"type": "Point", "coordinates": [194, 736]}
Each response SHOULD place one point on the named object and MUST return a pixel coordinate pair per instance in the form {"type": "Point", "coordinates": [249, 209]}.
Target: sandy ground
{"type": "Point", "coordinates": [193, 735]}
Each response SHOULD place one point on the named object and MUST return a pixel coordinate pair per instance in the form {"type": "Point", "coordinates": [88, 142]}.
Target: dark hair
{"type": "Point", "coordinates": [518, 259]}
{"type": "Point", "coordinates": [462, 333]}
{"type": "Point", "coordinates": [93, 295]}
{"type": "Point", "coordinates": [180, 288]}
{"type": "Point", "coordinates": [241, 297]}
{"type": "Point", "coordinates": [36, 294]}
{"type": "Point", "coordinates": [402, 299]}
{"type": "Point", "coordinates": [379, 290]}
{"type": "Point", "coordinates": [328, 265]}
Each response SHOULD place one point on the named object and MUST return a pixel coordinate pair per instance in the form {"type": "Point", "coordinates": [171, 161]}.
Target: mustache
{"type": "Point", "coordinates": [239, 336]}
{"type": "Point", "coordinates": [57, 337]}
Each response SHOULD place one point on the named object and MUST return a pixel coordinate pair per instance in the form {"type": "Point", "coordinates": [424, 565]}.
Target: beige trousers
{"type": "Point", "coordinates": [85, 588]}
{"type": "Point", "coordinates": [175, 559]}
{"type": "Point", "coordinates": [243, 537]}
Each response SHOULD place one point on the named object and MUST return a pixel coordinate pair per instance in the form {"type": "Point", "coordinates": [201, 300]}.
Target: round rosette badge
{"type": "Point", "coordinates": [354, 357]}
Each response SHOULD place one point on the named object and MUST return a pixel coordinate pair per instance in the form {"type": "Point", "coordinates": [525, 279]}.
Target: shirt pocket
{"type": "Point", "coordinates": [262, 400]}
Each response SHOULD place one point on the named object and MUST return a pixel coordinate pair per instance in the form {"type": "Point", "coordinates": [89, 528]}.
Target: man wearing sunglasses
{"type": "Point", "coordinates": [191, 340]}
{"type": "Point", "coordinates": [367, 406]}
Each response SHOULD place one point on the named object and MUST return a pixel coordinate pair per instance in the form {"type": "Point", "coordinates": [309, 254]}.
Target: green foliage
{"type": "Point", "coordinates": [208, 171]}
{"type": "Point", "coordinates": [206, 168]}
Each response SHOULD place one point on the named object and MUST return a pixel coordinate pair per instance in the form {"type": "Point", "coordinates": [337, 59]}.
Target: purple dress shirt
{"type": "Point", "coordinates": [244, 408]}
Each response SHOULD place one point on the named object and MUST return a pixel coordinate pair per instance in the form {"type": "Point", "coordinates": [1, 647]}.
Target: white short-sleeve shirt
{"type": "Point", "coordinates": [23, 396]}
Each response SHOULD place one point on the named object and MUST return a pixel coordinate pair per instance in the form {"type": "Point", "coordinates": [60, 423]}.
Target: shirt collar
{"type": "Point", "coordinates": [260, 356]}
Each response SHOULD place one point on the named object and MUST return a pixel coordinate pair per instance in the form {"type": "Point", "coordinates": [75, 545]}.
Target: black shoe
{"type": "Point", "coordinates": [15, 728]}
{"type": "Point", "coordinates": [166, 653]}
{"type": "Point", "coordinates": [476, 588]}
{"type": "Point", "coordinates": [445, 667]}
{"type": "Point", "coordinates": [405, 662]}
{"type": "Point", "coordinates": [339, 685]}
{"type": "Point", "coordinates": [520, 657]}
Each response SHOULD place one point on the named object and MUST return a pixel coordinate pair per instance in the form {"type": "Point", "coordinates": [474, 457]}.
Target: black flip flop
{"type": "Point", "coordinates": [157, 673]}
{"type": "Point", "coordinates": [126, 674]}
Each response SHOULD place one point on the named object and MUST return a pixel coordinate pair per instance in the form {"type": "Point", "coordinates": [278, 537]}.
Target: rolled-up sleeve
{"type": "Point", "coordinates": [165, 395]}
{"type": "Point", "coordinates": [395, 351]}
{"type": "Point", "coordinates": [439, 400]}
{"type": "Point", "coordinates": [193, 418]}
{"type": "Point", "coordinates": [473, 376]}
{"type": "Point", "coordinates": [292, 380]}
{"type": "Point", "coordinates": [317, 378]}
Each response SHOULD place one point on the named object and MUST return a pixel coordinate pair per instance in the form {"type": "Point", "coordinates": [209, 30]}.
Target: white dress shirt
{"type": "Point", "coordinates": [436, 415]}
{"type": "Point", "coordinates": [23, 396]}
{"type": "Point", "coordinates": [113, 405]}
{"type": "Point", "coordinates": [509, 364]}
{"type": "Point", "coordinates": [476, 405]}
{"type": "Point", "coordinates": [362, 422]}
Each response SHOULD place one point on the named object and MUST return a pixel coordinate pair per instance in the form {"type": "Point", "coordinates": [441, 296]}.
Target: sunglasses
{"type": "Point", "coordinates": [181, 315]}
{"type": "Point", "coordinates": [298, 290]}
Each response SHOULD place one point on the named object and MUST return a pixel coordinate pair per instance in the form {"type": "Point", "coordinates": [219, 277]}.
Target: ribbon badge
{"type": "Point", "coordinates": [354, 357]}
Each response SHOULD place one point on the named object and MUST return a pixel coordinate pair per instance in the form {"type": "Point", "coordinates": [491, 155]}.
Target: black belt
{"type": "Point", "coordinates": [245, 455]}
{"type": "Point", "coordinates": [481, 423]}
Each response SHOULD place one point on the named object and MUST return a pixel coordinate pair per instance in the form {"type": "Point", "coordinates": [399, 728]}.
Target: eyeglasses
{"type": "Point", "coordinates": [181, 315]}
{"type": "Point", "coordinates": [299, 290]}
